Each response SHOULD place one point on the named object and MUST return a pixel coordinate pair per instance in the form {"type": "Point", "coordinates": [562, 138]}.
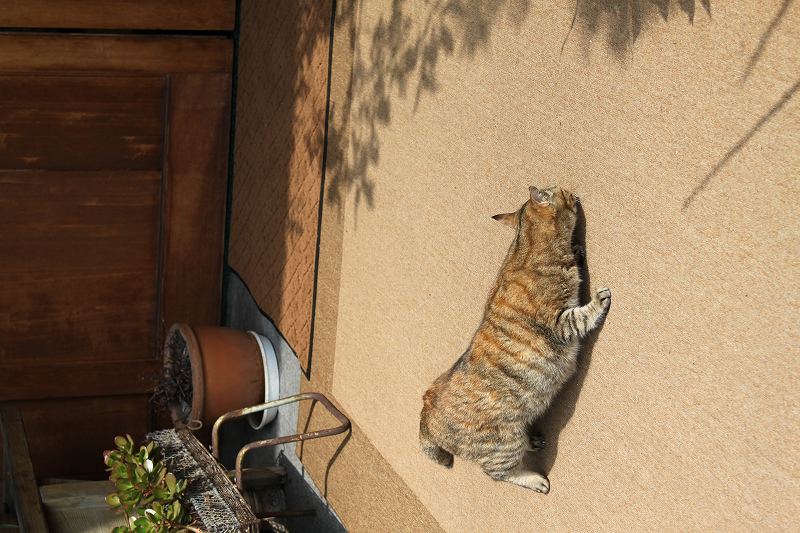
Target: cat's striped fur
{"type": "Point", "coordinates": [524, 350]}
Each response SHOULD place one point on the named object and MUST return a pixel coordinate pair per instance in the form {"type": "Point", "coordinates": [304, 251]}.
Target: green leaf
{"type": "Point", "coordinates": [131, 496]}
{"type": "Point", "coordinates": [171, 481]}
{"type": "Point", "coordinates": [113, 500]}
{"type": "Point", "coordinates": [174, 510]}
{"type": "Point", "coordinates": [121, 471]}
{"type": "Point", "coordinates": [160, 474]}
{"type": "Point", "coordinates": [124, 485]}
{"type": "Point", "coordinates": [121, 442]}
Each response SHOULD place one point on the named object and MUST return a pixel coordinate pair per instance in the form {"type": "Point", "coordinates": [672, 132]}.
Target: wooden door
{"type": "Point", "coordinates": [113, 176]}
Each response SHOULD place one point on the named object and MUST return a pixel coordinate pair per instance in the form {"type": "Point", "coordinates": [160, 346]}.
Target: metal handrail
{"type": "Point", "coordinates": [239, 413]}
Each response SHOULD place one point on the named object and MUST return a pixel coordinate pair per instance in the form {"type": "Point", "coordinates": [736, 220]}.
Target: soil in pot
{"type": "Point", "coordinates": [174, 391]}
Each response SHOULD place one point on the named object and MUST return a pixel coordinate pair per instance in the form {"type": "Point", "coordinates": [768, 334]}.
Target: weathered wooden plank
{"type": "Point", "coordinates": [27, 504]}
{"type": "Point", "coordinates": [57, 380]}
{"type": "Point", "coordinates": [150, 54]}
{"type": "Point", "coordinates": [81, 122]}
{"type": "Point", "coordinates": [197, 166]}
{"type": "Point", "coordinates": [80, 266]}
{"type": "Point", "coordinates": [67, 437]}
{"type": "Point", "coordinates": [125, 15]}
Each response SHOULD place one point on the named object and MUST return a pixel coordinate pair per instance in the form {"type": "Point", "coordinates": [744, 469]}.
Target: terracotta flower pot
{"type": "Point", "coordinates": [228, 369]}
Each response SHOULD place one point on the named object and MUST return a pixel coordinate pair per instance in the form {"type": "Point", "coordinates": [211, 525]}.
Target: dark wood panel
{"type": "Point", "coordinates": [117, 14]}
{"type": "Point", "coordinates": [197, 166]}
{"type": "Point", "coordinates": [62, 317]}
{"type": "Point", "coordinates": [81, 122]}
{"type": "Point", "coordinates": [80, 265]}
{"type": "Point", "coordinates": [88, 200]}
{"type": "Point", "coordinates": [73, 221]}
{"type": "Point", "coordinates": [67, 438]}
{"type": "Point", "coordinates": [55, 381]}
{"type": "Point", "coordinates": [23, 52]}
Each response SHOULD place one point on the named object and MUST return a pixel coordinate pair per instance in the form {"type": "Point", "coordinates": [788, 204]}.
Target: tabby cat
{"type": "Point", "coordinates": [523, 352]}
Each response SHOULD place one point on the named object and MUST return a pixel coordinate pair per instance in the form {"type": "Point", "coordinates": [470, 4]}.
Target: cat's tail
{"type": "Point", "coordinates": [426, 443]}
{"type": "Point", "coordinates": [431, 449]}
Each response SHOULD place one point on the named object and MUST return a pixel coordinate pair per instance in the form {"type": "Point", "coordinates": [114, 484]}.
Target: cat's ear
{"type": "Point", "coordinates": [509, 219]}
{"type": "Point", "coordinates": [539, 197]}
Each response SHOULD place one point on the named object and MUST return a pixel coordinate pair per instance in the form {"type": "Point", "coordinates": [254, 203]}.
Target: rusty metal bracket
{"type": "Point", "coordinates": [315, 396]}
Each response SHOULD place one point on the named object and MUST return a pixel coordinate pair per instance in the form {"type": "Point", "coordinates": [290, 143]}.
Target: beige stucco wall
{"type": "Point", "coordinates": [684, 146]}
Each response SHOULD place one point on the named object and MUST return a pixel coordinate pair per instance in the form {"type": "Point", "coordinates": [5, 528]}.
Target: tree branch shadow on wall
{"type": "Point", "coordinates": [762, 42]}
{"type": "Point", "coordinates": [773, 110]}
{"type": "Point", "coordinates": [404, 59]}
{"type": "Point", "coordinates": [563, 407]}
{"type": "Point", "coordinates": [623, 21]}
{"type": "Point", "coordinates": [740, 144]}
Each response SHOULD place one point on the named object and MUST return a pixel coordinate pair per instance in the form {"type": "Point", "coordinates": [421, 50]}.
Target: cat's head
{"type": "Point", "coordinates": [549, 211]}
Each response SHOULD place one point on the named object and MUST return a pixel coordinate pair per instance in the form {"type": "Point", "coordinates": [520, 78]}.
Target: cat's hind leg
{"type": "Point", "coordinates": [507, 463]}
{"type": "Point", "coordinates": [524, 477]}
{"type": "Point", "coordinates": [535, 442]}
{"type": "Point", "coordinates": [436, 452]}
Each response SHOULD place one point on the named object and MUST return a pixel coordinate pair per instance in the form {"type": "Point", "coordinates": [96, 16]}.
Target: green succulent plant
{"type": "Point", "coordinates": [146, 493]}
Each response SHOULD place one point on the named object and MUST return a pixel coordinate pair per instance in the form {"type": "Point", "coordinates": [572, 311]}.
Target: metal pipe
{"type": "Point", "coordinates": [315, 396]}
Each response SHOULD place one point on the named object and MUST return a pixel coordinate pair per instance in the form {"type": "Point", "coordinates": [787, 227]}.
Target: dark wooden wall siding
{"type": "Point", "coordinates": [92, 122]}
{"type": "Point", "coordinates": [65, 436]}
{"type": "Point", "coordinates": [76, 243]}
{"type": "Point", "coordinates": [118, 54]}
{"type": "Point", "coordinates": [113, 176]}
{"type": "Point", "coordinates": [119, 14]}
{"type": "Point", "coordinates": [197, 185]}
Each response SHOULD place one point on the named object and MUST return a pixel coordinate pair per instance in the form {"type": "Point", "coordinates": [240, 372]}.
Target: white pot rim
{"type": "Point", "coordinates": [271, 381]}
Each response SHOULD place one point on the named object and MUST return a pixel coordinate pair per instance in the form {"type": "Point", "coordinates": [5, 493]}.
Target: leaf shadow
{"type": "Point", "coordinates": [403, 60]}
{"type": "Point", "coordinates": [621, 22]}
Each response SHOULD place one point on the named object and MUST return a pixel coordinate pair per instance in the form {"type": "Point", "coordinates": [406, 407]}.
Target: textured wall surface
{"type": "Point", "coordinates": [680, 131]}
{"type": "Point", "coordinates": [280, 122]}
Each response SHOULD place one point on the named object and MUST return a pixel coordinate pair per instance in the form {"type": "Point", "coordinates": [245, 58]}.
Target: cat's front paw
{"type": "Point", "coordinates": [603, 294]}
{"type": "Point", "coordinates": [603, 298]}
